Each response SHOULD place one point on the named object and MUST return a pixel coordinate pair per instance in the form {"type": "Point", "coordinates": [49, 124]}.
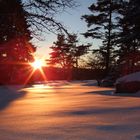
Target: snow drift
{"type": "Point", "coordinates": [129, 83]}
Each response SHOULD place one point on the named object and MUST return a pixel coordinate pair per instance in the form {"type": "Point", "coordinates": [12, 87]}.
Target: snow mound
{"type": "Point", "coordinates": [129, 78]}
{"type": "Point", "coordinates": [138, 92]}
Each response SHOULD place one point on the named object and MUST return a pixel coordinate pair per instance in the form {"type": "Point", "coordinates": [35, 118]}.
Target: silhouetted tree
{"type": "Point", "coordinates": [66, 52]}
{"type": "Point", "coordinates": [14, 31]}
{"type": "Point", "coordinates": [128, 36]}
{"type": "Point", "coordinates": [76, 50]}
{"type": "Point", "coordinates": [96, 61]}
{"type": "Point", "coordinates": [41, 14]}
{"type": "Point", "coordinates": [15, 48]}
{"type": "Point", "coordinates": [102, 26]}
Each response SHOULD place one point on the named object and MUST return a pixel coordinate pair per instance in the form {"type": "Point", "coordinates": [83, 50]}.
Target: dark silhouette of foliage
{"type": "Point", "coordinates": [15, 48]}
{"type": "Point", "coordinates": [102, 26]}
{"type": "Point", "coordinates": [66, 52]}
{"type": "Point", "coordinates": [14, 33]}
{"type": "Point", "coordinates": [128, 37]}
{"type": "Point", "coordinates": [96, 61]}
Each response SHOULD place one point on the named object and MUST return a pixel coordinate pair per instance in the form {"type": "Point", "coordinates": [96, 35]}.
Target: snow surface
{"type": "Point", "coordinates": [129, 78]}
{"type": "Point", "coordinates": [64, 110]}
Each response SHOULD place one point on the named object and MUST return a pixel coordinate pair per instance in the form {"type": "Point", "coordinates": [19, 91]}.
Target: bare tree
{"type": "Point", "coordinates": [41, 14]}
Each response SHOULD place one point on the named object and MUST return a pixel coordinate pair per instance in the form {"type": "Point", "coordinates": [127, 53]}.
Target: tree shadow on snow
{"type": "Point", "coordinates": [112, 93]}
{"type": "Point", "coordinates": [89, 83]}
{"type": "Point", "coordinates": [7, 95]}
{"type": "Point", "coordinates": [98, 111]}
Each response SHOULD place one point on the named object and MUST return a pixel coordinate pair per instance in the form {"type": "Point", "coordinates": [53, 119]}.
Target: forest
{"type": "Point", "coordinates": [116, 23]}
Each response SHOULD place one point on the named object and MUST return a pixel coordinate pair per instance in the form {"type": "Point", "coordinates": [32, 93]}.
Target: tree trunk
{"type": "Point", "coordinates": [109, 39]}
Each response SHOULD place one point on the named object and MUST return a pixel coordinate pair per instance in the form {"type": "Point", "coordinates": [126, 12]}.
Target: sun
{"type": "Point", "coordinates": [37, 64]}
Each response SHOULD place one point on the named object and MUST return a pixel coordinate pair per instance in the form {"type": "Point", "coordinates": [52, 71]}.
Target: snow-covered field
{"type": "Point", "coordinates": [68, 111]}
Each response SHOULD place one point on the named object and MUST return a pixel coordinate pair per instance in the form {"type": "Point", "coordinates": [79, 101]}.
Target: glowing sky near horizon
{"type": "Point", "coordinates": [71, 19]}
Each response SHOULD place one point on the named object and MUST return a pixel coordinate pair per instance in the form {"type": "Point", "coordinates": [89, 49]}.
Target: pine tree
{"type": "Point", "coordinates": [102, 26]}
{"type": "Point", "coordinates": [66, 52]}
{"type": "Point", "coordinates": [128, 38]}
{"type": "Point", "coordinates": [15, 47]}
{"type": "Point", "coordinates": [14, 31]}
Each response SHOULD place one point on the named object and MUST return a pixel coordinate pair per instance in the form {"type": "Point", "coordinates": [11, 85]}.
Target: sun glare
{"type": "Point", "coordinates": [37, 64]}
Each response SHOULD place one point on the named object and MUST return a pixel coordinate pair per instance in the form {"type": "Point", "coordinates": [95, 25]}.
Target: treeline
{"type": "Point", "coordinates": [117, 24]}
{"type": "Point", "coordinates": [55, 73]}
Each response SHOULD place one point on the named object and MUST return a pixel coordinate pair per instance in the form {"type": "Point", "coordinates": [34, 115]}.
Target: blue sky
{"type": "Point", "coordinates": [71, 19]}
